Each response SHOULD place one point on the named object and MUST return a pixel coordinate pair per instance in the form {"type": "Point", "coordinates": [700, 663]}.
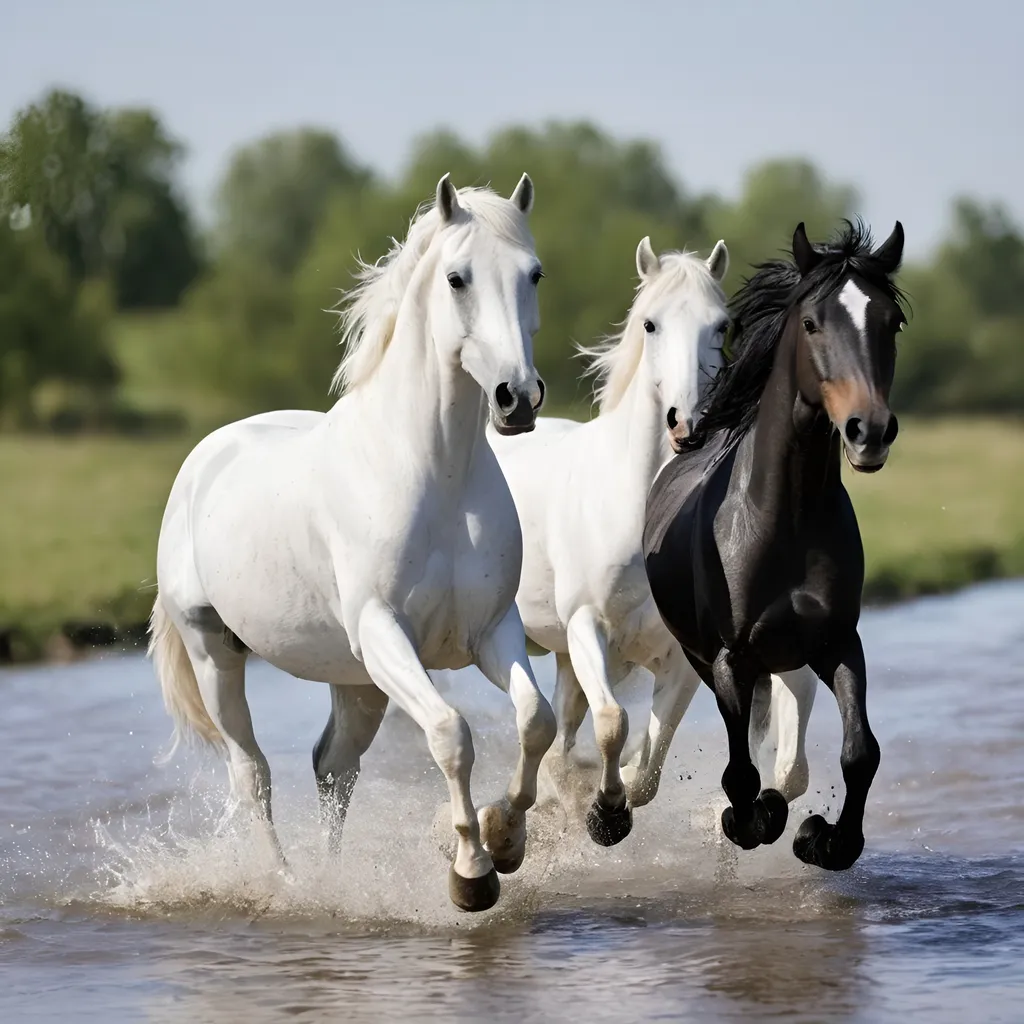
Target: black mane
{"type": "Point", "coordinates": [759, 312]}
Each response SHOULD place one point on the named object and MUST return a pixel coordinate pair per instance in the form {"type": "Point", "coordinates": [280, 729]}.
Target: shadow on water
{"type": "Point", "coordinates": [124, 894]}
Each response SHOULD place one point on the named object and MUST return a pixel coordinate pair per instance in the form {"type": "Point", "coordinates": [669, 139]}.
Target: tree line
{"type": "Point", "coordinates": [95, 232]}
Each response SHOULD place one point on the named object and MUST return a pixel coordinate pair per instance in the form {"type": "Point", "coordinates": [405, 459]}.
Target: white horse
{"type": "Point", "coordinates": [581, 490]}
{"type": "Point", "coordinates": [363, 546]}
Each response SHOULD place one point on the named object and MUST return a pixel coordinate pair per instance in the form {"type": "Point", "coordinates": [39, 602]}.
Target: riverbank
{"type": "Point", "coordinates": [79, 521]}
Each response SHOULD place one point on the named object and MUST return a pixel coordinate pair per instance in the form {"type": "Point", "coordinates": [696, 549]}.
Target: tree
{"type": "Point", "coordinates": [276, 191]}
{"type": "Point", "coordinates": [99, 186]}
{"type": "Point", "coordinates": [47, 333]}
{"type": "Point", "coordinates": [777, 195]}
{"type": "Point", "coordinates": [964, 347]}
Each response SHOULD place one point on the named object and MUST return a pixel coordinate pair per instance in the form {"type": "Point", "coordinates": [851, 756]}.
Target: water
{"type": "Point", "coordinates": [122, 896]}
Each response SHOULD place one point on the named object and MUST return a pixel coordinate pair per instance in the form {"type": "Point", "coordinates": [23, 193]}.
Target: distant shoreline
{"type": "Point", "coordinates": [80, 641]}
{"type": "Point", "coordinates": [81, 516]}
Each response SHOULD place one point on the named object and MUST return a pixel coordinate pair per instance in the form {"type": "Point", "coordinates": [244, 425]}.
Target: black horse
{"type": "Point", "coordinates": [752, 547]}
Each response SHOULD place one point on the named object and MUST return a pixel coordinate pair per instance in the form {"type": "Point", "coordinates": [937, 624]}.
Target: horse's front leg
{"type": "Point", "coordinates": [754, 817]}
{"type": "Point", "coordinates": [502, 657]}
{"type": "Point", "coordinates": [838, 846]}
{"type": "Point", "coordinates": [675, 683]}
{"type": "Point", "coordinates": [393, 664]}
{"type": "Point", "coordinates": [610, 819]}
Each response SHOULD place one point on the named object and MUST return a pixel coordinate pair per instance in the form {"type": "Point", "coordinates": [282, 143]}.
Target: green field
{"type": "Point", "coordinates": [79, 521]}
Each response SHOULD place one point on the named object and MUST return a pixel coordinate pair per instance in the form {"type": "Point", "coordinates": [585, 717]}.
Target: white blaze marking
{"type": "Point", "coordinates": [855, 302]}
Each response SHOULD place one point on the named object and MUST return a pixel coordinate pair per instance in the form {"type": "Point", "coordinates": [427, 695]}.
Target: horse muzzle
{"type": "Point", "coordinates": [515, 407]}
{"type": "Point", "coordinates": [680, 427]}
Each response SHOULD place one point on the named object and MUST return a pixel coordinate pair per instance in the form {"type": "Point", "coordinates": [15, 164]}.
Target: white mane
{"type": "Point", "coordinates": [369, 310]}
{"type": "Point", "coordinates": [614, 361]}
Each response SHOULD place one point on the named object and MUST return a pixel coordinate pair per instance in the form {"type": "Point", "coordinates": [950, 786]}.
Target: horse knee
{"type": "Point", "coordinates": [451, 743]}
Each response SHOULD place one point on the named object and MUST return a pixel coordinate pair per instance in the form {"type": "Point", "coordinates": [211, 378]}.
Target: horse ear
{"type": "Point", "coordinates": [890, 253]}
{"type": "Point", "coordinates": [647, 262]}
{"type": "Point", "coordinates": [718, 261]}
{"type": "Point", "coordinates": [523, 195]}
{"type": "Point", "coordinates": [805, 255]}
{"type": "Point", "coordinates": [447, 200]}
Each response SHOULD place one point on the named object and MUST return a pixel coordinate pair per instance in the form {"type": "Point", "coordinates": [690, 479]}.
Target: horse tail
{"type": "Point", "coordinates": [178, 683]}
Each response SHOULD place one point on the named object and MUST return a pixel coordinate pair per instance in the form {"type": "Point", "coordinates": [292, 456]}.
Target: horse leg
{"type": "Point", "coordinates": [753, 818]}
{"type": "Point", "coordinates": [570, 707]}
{"type": "Point", "coordinates": [393, 664]}
{"type": "Point", "coordinates": [502, 657]}
{"type": "Point", "coordinates": [675, 683]}
{"type": "Point", "coordinates": [221, 679]}
{"type": "Point", "coordinates": [610, 819]}
{"type": "Point", "coordinates": [838, 846]}
{"type": "Point", "coordinates": [792, 700]}
{"type": "Point", "coordinates": [356, 714]}
{"type": "Point", "coordinates": [760, 717]}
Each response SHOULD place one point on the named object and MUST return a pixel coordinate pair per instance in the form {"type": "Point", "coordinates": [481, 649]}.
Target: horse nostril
{"type": "Point", "coordinates": [540, 401]}
{"type": "Point", "coordinates": [672, 418]}
{"type": "Point", "coordinates": [854, 430]}
{"type": "Point", "coordinates": [504, 397]}
{"type": "Point", "coordinates": [891, 430]}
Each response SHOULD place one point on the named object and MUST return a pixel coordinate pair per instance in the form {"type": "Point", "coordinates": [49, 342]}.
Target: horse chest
{"type": "Point", "coordinates": [786, 626]}
{"type": "Point", "coordinates": [456, 593]}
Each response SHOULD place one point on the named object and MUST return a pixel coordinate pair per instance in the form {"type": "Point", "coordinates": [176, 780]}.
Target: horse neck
{"type": "Point", "coordinates": [795, 456]}
{"type": "Point", "coordinates": [430, 410]}
{"type": "Point", "coordinates": [639, 435]}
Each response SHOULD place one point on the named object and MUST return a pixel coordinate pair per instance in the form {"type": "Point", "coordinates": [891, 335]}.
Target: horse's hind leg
{"type": "Point", "coordinates": [393, 664]}
{"type": "Point", "coordinates": [792, 700]}
{"type": "Point", "coordinates": [610, 819]}
{"type": "Point", "coordinates": [838, 846]}
{"type": "Point", "coordinates": [502, 658]}
{"type": "Point", "coordinates": [356, 715]}
{"type": "Point", "coordinates": [753, 818]}
{"type": "Point", "coordinates": [760, 717]}
{"type": "Point", "coordinates": [675, 683]}
{"type": "Point", "coordinates": [570, 707]}
{"type": "Point", "coordinates": [221, 678]}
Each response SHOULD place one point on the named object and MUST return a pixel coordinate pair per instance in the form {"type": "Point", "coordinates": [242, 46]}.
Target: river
{"type": "Point", "coordinates": [122, 899]}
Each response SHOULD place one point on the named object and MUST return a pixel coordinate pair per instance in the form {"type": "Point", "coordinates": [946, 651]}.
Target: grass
{"type": "Point", "coordinates": [78, 526]}
{"type": "Point", "coordinates": [79, 521]}
{"type": "Point", "coordinates": [948, 508]}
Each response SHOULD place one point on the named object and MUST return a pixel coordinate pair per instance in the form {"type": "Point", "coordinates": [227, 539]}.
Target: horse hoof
{"type": "Point", "coordinates": [509, 865]}
{"type": "Point", "coordinates": [608, 826]}
{"type": "Point", "coordinates": [819, 843]}
{"type": "Point", "coordinates": [776, 813]}
{"type": "Point", "coordinates": [748, 838]}
{"type": "Point", "coordinates": [474, 894]}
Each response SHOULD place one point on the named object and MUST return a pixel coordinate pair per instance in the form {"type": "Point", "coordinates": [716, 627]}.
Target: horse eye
{"type": "Point", "coordinates": [456, 282]}
{"type": "Point", "coordinates": [536, 276]}
{"type": "Point", "coordinates": [723, 328]}
{"type": "Point", "coordinates": [649, 326]}
{"type": "Point", "coordinates": [809, 326]}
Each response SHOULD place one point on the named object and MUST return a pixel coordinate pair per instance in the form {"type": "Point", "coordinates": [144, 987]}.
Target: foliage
{"type": "Point", "coordinates": [295, 209]}
{"type": "Point", "coordinates": [275, 192]}
{"type": "Point", "coordinates": [49, 330]}
{"type": "Point", "coordinates": [99, 186]}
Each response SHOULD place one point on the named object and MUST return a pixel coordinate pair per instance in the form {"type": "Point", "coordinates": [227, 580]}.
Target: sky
{"type": "Point", "coordinates": [913, 102]}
